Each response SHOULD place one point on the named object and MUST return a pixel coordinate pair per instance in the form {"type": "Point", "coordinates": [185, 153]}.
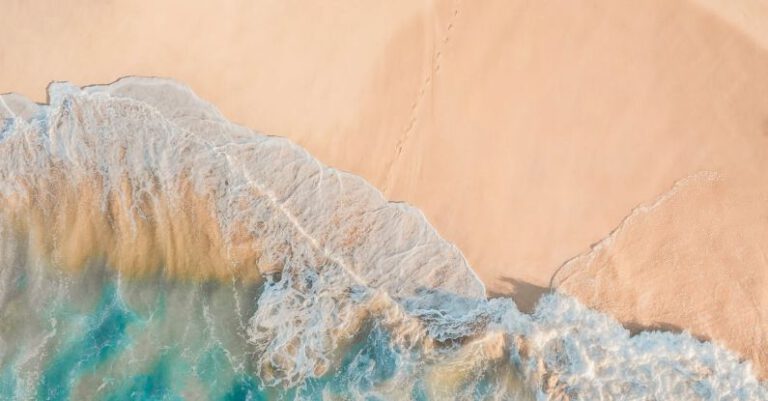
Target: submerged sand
{"type": "Point", "coordinates": [525, 131]}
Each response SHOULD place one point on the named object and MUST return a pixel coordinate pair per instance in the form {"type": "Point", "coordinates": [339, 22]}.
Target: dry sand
{"type": "Point", "coordinates": [525, 130]}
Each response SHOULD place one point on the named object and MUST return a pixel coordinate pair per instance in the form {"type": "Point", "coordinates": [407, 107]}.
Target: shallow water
{"type": "Point", "coordinates": [152, 250]}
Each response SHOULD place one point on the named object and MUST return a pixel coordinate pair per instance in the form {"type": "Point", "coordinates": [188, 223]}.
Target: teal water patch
{"type": "Point", "coordinates": [418, 393]}
{"type": "Point", "coordinates": [370, 361]}
{"type": "Point", "coordinates": [222, 382]}
{"type": "Point", "coordinates": [104, 336]}
{"type": "Point", "coordinates": [245, 388]}
{"type": "Point", "coordinates": [212, 364]}
{"type": "Point", "coordinates": [8, 383]}
{"type": "Point", "coordinates": [153, 386]}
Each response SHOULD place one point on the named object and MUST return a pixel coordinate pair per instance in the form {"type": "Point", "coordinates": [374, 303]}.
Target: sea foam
{"type": "Point", "coordinates": [152, 249]}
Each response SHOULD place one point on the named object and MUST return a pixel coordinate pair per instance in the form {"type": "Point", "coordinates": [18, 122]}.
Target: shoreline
{"type": "Point", "coordinates": [521, 143]}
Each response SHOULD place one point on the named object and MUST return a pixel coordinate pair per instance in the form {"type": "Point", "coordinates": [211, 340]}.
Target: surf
{"type": "Point", "coordinates": [152, 248]}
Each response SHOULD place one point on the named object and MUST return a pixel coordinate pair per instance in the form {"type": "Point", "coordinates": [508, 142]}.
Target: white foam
{"type": "Point", "coordinates": [146, 176]}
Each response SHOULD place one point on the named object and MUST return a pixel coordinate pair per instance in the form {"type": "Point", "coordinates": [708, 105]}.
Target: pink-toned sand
{"type": "Point", "coordinates": [525, 130]}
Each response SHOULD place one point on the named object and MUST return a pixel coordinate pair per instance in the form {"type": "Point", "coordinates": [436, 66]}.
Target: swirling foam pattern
{"type": "Point", "coordinates": [151, 250]}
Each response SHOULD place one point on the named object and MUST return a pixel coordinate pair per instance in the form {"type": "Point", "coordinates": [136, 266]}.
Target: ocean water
{"type": "Point", "coordinates": [152, 250]}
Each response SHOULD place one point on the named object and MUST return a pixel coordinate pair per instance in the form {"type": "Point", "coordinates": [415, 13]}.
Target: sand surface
{"type": "Point", "coordinates": [525, 130]}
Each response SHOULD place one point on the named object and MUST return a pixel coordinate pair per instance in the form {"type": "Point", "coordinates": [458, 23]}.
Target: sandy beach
{"type": "Point", "coordinates": [614, 150]}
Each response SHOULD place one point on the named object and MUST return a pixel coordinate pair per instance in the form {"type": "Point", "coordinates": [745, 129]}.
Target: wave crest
{"type": "Point", "coordinates": [319, 285]}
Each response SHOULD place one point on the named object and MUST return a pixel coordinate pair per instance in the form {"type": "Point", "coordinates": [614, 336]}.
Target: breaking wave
{"type": "Point", "coordinates": [150, 249]}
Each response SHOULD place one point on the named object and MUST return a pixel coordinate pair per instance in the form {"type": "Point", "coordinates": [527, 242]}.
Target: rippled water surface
{"type": "Point", "coordinates": [151, 250]}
